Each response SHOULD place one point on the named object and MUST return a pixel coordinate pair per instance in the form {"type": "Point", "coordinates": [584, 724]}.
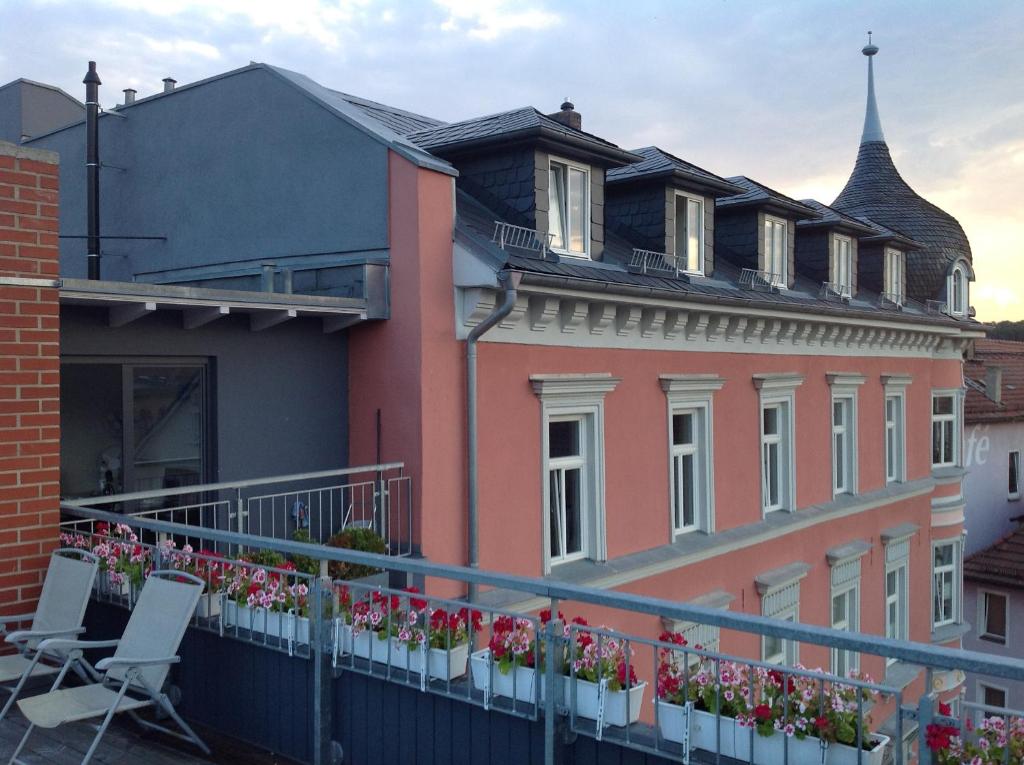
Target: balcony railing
{"type": "Point", "coordinates": [661, 696]}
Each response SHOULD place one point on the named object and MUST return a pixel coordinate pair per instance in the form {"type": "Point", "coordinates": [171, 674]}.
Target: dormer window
{"type": "Point", "coordinates": [689, 241]}
{"type": "Point", "coordinates": [842, 264]}
{"type": "Point", "coordinates": [895, 264]}
{"type": "Point", "coordinates": [776, 249]}
{"type": "Point", "coordinates": [569, 208]}
{"type": "Point", "coordinates": [958, 291]}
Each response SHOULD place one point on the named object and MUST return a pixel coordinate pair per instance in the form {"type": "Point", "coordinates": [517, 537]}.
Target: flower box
{"type": "Point", "coordinates": [275, 624]}
{"type": "Point", "coordinates": [518, 683]}
{"type": "Point", "coordinates": [365, 645]}
{"type": "Point", "coordinates": [616, 709]}
{"type": "Point", "coordinates": [441, 664]}
{"type": "Point", "coordinates": [841, 754]}
{"type": "Point", "coordinates": [209, 605]}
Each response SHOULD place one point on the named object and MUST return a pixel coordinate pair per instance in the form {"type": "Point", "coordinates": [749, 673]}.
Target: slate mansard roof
{"type": "Point", "coordinates": [658, 163]}
{"type": "Point", "coordinates": [756, 194]}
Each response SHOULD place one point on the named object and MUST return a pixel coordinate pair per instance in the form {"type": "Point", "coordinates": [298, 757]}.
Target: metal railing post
{"type": "Point", "coordinates": [322, 706]}
{"type": "Point", "coordinates": [925, 717]}
{"type": "Point", "coordinates": [552, 635]}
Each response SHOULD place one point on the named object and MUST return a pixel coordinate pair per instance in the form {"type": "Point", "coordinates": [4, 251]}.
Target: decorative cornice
{"type": "Point", "coordinates": [844, 379]}
{"type": "Point", "coordinates": [719, 599]}
{"type": "Point", "coordinates": [690, 383]}
{"type": "Point", "coordinates": [780, 577]}
{"type": "Point", "coordinates": [892, 380]}
{"type": "Point", "coordinates": [555, 386]}
{"type": "Point", "coordinates": [778, 381]}
{"type": "Point", "coordinates": [846, 552]}
{"type": "Point", "coordinates": [899, 533]}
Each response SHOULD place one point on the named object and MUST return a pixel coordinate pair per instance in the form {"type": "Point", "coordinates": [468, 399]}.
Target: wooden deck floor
{"type": "Point", "coordinates": [124, 743]}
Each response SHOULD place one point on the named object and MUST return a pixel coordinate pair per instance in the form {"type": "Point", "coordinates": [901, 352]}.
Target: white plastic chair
{"type": "Point", "coordinates": [58, 614]}
{"type": "Point", "coordinates": [133, 677]}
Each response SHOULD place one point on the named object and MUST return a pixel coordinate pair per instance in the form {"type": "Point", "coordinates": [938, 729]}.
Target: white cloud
{"type": "Point", "coordinates": [490, 19]}
{"type": "Point", "coordinates": [179, 46]}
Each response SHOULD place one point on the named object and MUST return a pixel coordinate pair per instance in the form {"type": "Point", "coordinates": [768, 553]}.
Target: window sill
{"type": "Point", "coordinates": [946, 474]}
{"type": "Point", "coordinates": [899, 675]}
{"type": "Point", "coordinates": [994, 640]}
{"type": "Point", "coordinates": [949, 632]}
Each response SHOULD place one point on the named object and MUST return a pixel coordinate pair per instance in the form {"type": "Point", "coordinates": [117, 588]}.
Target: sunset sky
{"type": "Point", "coordinates": [770, 90]}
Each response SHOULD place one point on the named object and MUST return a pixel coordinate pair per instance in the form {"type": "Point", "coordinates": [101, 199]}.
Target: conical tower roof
{"type": "Point", "coordinates": [877, 190]}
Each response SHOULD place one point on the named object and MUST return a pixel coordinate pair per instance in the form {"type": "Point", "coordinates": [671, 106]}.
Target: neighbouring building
{"type": "Point", "coordinates": [690, 386]}
{"type": "Point", "coordinates": [994, 569]}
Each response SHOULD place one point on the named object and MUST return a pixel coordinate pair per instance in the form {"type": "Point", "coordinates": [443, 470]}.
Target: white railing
{"type": "Point", "coordinates": [507, 235]}
{"type": "Point", "coordinates": [764, 281]}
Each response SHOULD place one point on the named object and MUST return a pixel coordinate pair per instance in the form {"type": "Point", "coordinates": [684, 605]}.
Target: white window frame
{"type": "Point", "coordinates": [571, 396]}
{"type": "Point", "coordinates": [780, 599]}
{"type": "Point", "coordinates": [842, 264]}
{"type": "Point", "coordinates": [770, 221]}
{"type": "Point", "coordinates": [956, 418]}
{"type": "Point", "coordinates": [982, 687]}
{"type": "Point", "coordinates": [895, 270]}
{"type": "Point", "coordinates": [983, 612]}
{"type": "Point", "coordinates": [571, 165]}
{"type": "Point", "coordinates": [1013, 475]}
{"type": "Point", "coordinates": [895, 386]}
{"type": "Point", "coordinates": [699, 271]}
{"type": "Point", "coordinates": [900, 628]}
{"type": "Point", "coordinates": [959, 302]}
{"type": "Point", "coordinates": [779, 391]}
{"type": "Point", "coordinates": [583, 463]}
{"type": "Point", "coordinates": [705, 637]}
{"type": "Point", "coordinates": [693, 394]}
{"type": "Point", "coordinates": [844, 387]}
{"type": "Point", "coordinates": [850, 622]}
{"type": "Point", "coordinates": [954, 570]}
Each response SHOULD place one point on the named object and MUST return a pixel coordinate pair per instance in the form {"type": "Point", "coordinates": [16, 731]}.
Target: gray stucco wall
{"type": "Point", "coordinates": [237, 170]}
{"type": "Point", "coordinates": [10, 113]}
{"type": "Point", "coordinates": [1014, 647]}
{"type": "Point", "coordinates": [280, 396]}
{"type": "Point", "coordinates": [986, 456]}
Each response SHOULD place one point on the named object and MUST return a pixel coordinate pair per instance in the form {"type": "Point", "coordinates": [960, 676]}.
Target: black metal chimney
{"type": "Point", "coordinates": [92, 168]}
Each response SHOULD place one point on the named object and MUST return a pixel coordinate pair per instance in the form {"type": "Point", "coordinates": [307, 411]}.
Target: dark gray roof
{"type": "Point", "coordinates": [877, 190]}
{"type": "Point", "coordinates": [886, 234]}
{"type": "Point", "coordinates": [758, 195]}
{"type": "Point", "coordinates": [517, 123]}
{"type": "Point", "coordinates": [398, 120]}
{"type": "Point", "coordinates": [832, 218]}
{"type": "Point", "coordinates": [658, 163]}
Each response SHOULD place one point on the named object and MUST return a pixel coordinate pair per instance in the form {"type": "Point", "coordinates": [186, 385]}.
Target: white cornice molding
{"type": "Point", "coordinates": [893, 380]}
{"type": "Point", "coordinates": [778, 381]}
{"type": "Point", "coordinates": [555, 386]}
{"type": "Point", "coordinates": [780, 577]}
{"type": "Point", "coordinates": [844, 379]}
{"type": "Point", "coordinates": [847, 552]}
{"type": "Point", "coordinates": [578, 318]}
{"type": "Point", "coordinates": [684, 384]}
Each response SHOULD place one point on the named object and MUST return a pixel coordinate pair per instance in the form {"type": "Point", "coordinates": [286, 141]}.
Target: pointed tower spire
{"type": "Point", "coordinates": [872, 125]}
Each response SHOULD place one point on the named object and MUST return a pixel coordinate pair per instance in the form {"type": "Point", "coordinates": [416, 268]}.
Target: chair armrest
{"type": "Point", "coordinates": [24, 635]}
{"type": "Point", "coordinates": [127, 661]}
{"type": "Point", "coordinates": [7, 619]}
{"type": "Point", "coordinates": [57, 644]}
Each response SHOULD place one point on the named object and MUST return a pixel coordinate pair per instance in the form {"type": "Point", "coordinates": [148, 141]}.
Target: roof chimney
{"type": "Point", "coordinates": [568, 116]}
{"type": "Point", "coordinates": [129, 96]}
{"type": "Point", "coordinates": [169, 83]}
{"type": "Point", "coordinates": [994, 384]}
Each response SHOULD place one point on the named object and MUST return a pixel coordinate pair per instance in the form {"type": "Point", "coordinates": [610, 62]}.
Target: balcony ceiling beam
{"type": "Point", "coordinates": [193, 318]}
{"type": "Point", "coordinates": [265, 319]}
{"type": "Point", "coordinates": [120, 315]}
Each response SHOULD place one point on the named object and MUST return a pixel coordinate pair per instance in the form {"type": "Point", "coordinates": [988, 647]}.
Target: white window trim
{"type": "Point", "coordinates": [852, 624]}
{"type": "Point", "coordinates": [705, 637]}
{"type": "Point", "coordinates": [958, 423]}
{"type": "Point", "coordinates": [895, 385]}
{"type": "Point", "coordinates": [844, 578]}
{"type": "Point", "coordinates": [954, 309]}
{"type": "Point", "coordinates": [693, 392]}
{"type": "Point", "coordinates": [845, 386]}
{"type": "Point", "coordinates": [774, 583]}
{"type": "Point", "coordinates": [784, 271]}
{"type": "Point", "coordinates": [957, 569]}
{"type": "Point", "coordinates": [564, 395]}
{"type": "Point", "coordinates": [983, 634]}
{"type": "Point", "coordinates": [845, 286]}
{"type": "Point", "coordinates": [982, 686]}
{"type": "Point", "coordinates": [887, 282]}
{"type": "Point", "coordinates": [703, 247]}
{"type": "Point", "coordinates": [585, 255]}
{"type": "Point", "coordinates": [1013, 495]}
{"type": "Point", "coordinates": [779, 389]}
{"type": "Point", "coordinates": [902, 601]}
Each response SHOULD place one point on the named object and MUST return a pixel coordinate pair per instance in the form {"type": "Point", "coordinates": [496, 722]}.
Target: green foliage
{"type": "Point", "coordinates": [264, 558]}
{"type": "Point", "coordinates": [1006, 330]}
{"type": "Point", "coordinates": [305, 563]}
{"type": "Point", "coordinates": [355, 538]}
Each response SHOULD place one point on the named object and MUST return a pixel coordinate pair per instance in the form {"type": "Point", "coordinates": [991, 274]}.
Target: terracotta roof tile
{"type": "Point", "coordinates": [1001, 564]}
{"type": "Point", "coordinates": [1008, 356]}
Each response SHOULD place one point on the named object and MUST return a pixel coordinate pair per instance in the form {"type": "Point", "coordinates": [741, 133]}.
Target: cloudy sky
{"type": "Point", "coordinates": [773, 90]}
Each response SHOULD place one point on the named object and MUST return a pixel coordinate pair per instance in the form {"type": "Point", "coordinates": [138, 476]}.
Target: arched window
{"type": "Point", "coordinates": [958, 291]}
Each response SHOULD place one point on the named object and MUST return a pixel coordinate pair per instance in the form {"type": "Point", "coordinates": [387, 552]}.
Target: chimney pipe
{"type": "Point", "coordinates": [92, 169]}
{"type": "Point", "coordinates": [129, 96]}
{"type": "Point", "coordinates": [994, 383]}
{"type": "Point", "coordinates": [169, 83]}
{"type": "Point", "coordinates": [568, 115]}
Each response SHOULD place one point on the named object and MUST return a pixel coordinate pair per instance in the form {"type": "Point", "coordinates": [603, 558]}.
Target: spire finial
{"type": "Point", "coordinates": [872, 124]}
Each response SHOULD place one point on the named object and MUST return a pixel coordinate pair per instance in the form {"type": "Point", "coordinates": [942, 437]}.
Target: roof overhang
{"type": "Point", "coordinates": [771, 206]}
{"type": "Point", "coordinates": [681, 178]}
{"type": "Point", "coordinates": [546, 137]}
{"type": "Point", "coordinates": [126, 302]}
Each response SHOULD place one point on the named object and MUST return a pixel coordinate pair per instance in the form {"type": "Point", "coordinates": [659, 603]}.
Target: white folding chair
{"type": "Point", "coordinates": [59, 614]}
{"type": "Point", "coordinates": [133, 677]}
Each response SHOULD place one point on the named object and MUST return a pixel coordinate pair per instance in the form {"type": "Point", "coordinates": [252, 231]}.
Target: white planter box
{"type": "Point", "coordinates": [438, 664]}
{"type": "Point", "coordinates": [270, 623]}
{"type": "Point", "coordinates": [841, 754]}
{"type": "Point", "coordinates": [518, 683]}
{"type": "Point", "coordinates": [365, 645]}
{"type": "Point", "coordinates": [615, 703]}
{"type": "Point", "coordinates": [209, 605]}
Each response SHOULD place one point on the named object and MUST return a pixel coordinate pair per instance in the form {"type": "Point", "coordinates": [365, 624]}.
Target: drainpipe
{"type": "Point", "coordinates": [92, 169]}
{"type": "Point", "coordinates": [509, 283]}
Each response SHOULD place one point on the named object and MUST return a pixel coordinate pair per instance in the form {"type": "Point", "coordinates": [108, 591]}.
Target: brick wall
{"type": "Point", "coordinates": [29, 373]}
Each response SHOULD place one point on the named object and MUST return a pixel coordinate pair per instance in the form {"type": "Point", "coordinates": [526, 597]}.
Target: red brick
{"type": "Point", "coordinates": [35, 563]}
{"type": "Point", "coordinates": [46, 238]}
{"type": "Point", "coordinates": [41, 365]}
{"type": "Point", "coordinates": [19, 293]}
{"type": "Point", "coordinates": [18, 179]}
{"type": "Point", "coordinates": [39, 309]}
{"type": "Point", "coordinates": [7, 219]}
{"type": "Point", "coordinates": [19, 550]}
{"type": "Point", "coordinates": [13, 235]}
{"type": "Point", "coordinates": [20, 207]}
{"type": "Point", "coordinates": [36, 534]}
{"type": "Point", "coordinates": [38, 505]}
{"type": "Point", "coordinates": [37, 335]}
{"type": "Point", "coordinates": [37, 195]}
{"type": "Point", "coordinates": [39, 420]}
{"type": "Point", "coordinates": [43, 253]}
{"type": "Point", "coordinates": [49, 268]}
{"type": "Point", "coordinates": [7, 191]}
{"type": "Point", "coordinates": [46, 182]}
{"type": "Point", "coordinates": [18, 406]}
{"type": "Point", "coordinates": [18, 492]}
{"type": "Point", "coordinates": [19, 463]}
{"type": "Point", "coordinates": [6, 163]}
{"type": "Point", "coordinates": [19, 580]}
{"type": "Point", "coordinates": [39, 476]}
{"type": "Point", "coordinates": [19, 378]}
{"type": "Point", "coordinates": [37, 224]}
{"type": "Point", "coordinates": [35, 166]}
